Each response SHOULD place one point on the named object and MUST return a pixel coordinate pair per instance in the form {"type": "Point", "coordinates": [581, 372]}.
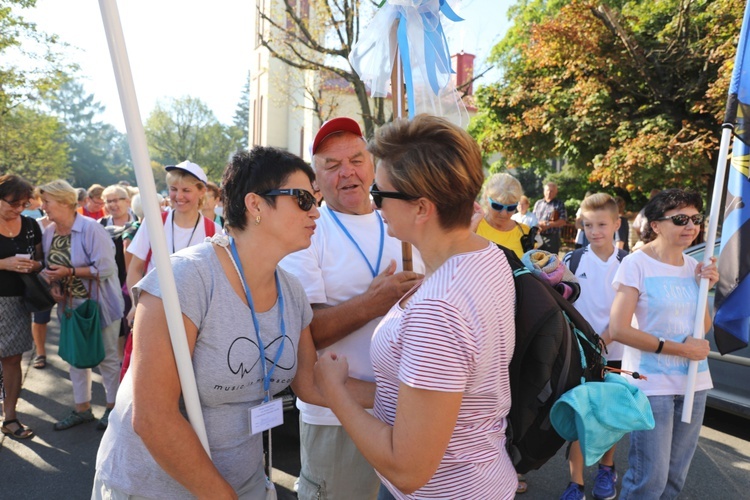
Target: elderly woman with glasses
{"type": "Point", "coordinates": [500, 198]}
{"type": "Point", "coordinates": [659, 286]}
{"type": "Point", "coordinates": [20, 253]}
{"type": "Point", "coordinates": [441, 354]}
{"type": "Point", "coordinates": [247, 325]}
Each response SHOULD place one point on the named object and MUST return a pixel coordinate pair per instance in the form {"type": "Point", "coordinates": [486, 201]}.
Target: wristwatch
{"type": "Point", "coordinates": [661, 345]}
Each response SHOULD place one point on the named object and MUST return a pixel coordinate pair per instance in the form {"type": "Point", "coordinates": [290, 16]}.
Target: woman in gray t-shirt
{"type": "Point", "coordinates": [241, 312]}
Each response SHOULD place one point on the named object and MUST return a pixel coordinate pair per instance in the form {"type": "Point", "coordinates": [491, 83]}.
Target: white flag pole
{"type": "Point", "coordinates": [713, 224]}
{"type": "Point", "coordinates": [152, 213]}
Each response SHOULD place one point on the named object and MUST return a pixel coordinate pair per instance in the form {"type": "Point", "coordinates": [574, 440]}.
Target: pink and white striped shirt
{"type": "Point", "coordinates": [456, 334]}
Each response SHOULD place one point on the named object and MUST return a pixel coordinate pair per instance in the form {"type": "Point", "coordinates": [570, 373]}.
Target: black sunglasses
{"type": "Point", "coordinates": [305, 200]}
{"type": "Point", "coordinates": [378, 195]}
{"type": "Point", "coordinates": [500, 207]}
{"type": "Point", "coordinates": [682, 219]}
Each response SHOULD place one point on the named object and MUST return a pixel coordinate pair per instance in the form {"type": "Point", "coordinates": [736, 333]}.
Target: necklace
{"type": "Point", "coordinates": [191, 234]}
{"type": "Point", "coordinates": [10, 231]}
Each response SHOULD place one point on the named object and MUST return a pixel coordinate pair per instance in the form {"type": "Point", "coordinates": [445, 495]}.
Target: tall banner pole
{"type": "Point", "coordinates": [152, 213]}
{"type": "Point", "coordinates": [713, 224]}
{"type": "Point", "coordinates": [399, 110]}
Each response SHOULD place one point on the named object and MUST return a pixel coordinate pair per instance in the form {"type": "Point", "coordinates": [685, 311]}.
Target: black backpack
{"type": "Point", "coordinates": [575, 258]}
{"type": "Point", "coordinates": [555, 350]}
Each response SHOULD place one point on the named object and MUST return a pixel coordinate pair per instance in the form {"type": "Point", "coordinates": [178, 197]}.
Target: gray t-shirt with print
{"type": "Point", "coordinates": [227, 371]}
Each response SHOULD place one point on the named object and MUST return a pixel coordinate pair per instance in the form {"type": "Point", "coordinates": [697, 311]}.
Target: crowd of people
{"type": "Point", "coordinates": [293, 274]}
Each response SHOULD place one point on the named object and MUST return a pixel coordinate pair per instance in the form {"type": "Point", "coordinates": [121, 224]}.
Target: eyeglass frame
{"type": "Point", "coordinates": [107, 202]}
{"type": "Point", "coordinates": [500, 207]}
{"type": "Point", "coordinates": [378, 195]}
{"type": "Point", "coordinates": [303, 197]}
{"type": "Point", "coordinates": [688, 218]}
{"type": "Point", "coordinates": [17, 204]}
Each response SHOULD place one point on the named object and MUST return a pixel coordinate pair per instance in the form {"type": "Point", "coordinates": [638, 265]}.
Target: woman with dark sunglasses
{"type": "Point", "coordinates": [500, 198]}
{"type": "Point", "coordinates": [441, 354]}
{"type": "Point", "coordinates": [247, 324]}
{"type": "Point", "coordinates": [659, 286]}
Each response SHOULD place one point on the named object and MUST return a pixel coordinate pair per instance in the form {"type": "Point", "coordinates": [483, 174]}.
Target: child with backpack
{"type": "Point", "coordinates": [595, 266]}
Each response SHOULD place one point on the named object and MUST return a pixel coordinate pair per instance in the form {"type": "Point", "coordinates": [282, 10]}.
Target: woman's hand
{"type": "Point", "coordinates": [476, 217]}
{"type": "Point", "coordinates": [56, 273]}
{"type": "Point", "coordinates": [331, 372]}
{"type": "Point", "coordinates": [710, 272]}
{"type": "Point", "coordinates": [17, 264]}
{"type": "Point", "coordinates": [696, 349]}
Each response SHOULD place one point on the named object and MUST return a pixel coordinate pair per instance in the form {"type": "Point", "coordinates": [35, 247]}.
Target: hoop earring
{"type": "Point", "coordinates": [257, 220]}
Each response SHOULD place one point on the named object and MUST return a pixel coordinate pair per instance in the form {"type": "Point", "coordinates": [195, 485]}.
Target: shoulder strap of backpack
{"type": "Point", "coordinates": [209, 227]}
{"type": "Point", "coordinates": [575, 259]}
{"type": "Point", "coordinates": [164, 216]}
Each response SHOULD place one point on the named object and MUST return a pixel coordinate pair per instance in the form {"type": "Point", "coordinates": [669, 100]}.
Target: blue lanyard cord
{"type": "Point", "coordinates": [374, 270]}
{"type": "Point", "coordinates": [266, 374]}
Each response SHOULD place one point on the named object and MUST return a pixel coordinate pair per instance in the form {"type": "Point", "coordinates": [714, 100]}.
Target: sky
{"type": "Point", "coordinates": [182, 48]}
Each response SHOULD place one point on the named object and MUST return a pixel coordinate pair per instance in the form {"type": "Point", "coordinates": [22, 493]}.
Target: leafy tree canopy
{"type": "Point", "coordinates": [186, 129]}
{"type": "Point", "coordinates": [630, 93]}
{"type": "Point", "coordinates": [98, 152]}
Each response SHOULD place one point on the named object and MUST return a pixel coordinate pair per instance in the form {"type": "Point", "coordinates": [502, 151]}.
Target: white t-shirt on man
{"type": "Point", "coordinates": [333, 271]}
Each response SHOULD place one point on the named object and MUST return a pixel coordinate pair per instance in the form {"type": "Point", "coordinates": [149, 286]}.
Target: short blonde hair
{"type": "Point", "coordinates": [503, 188]}
{"type": "Point", "coordinates": [116, 189]}
{"type": "Point", "coordinates": [60, 191]}
{"type": "Point", "coordinates": [600, 201]}
{"type": "Point", "coordinates": [432, 158]}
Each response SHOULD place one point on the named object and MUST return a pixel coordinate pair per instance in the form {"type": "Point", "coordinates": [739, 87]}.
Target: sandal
{"type": "Point", "coordinates": [40, 362]}
{"type": "Point", "coordinates": [522, 486]}
{"type": "Point", "coordinates": [22, 432]}
{"type": "Point", "coordinates": [75, 418]}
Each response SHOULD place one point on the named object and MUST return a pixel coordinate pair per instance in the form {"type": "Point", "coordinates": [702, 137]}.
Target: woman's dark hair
{"type": "Point", "coordinates": [256, 171]}
{"type": "Point", "coordinates": [14, 188]}
{"type": "Point", "coordinates": [667, 200]}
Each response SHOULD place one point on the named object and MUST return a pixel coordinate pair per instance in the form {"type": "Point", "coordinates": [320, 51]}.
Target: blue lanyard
{"type": "Point", "coordinates": [373, 270]}
{"type": "Point", "coordinates": [266, 374]}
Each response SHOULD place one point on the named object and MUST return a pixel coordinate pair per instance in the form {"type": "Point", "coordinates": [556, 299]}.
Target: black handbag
{"type": "Point", "coordinates": [36, 295]}
{"type": "Point", "coordinates": [527, 239]}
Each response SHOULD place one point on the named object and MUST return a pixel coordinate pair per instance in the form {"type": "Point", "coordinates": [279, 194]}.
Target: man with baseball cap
{"type": "Point", "coordinates": [352, 276]}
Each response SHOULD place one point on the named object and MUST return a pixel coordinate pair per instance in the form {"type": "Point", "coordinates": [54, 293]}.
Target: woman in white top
{"type": "Point", "coordinates": [184, 224]}
{"type": "Point", "coordinates": [441, 354]}
{"type": "Point", "coordinates": [659, 286]}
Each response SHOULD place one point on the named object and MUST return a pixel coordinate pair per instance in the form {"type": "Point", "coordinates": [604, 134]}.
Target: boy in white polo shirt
{"type": "Point", "coordinates": [594, 266]}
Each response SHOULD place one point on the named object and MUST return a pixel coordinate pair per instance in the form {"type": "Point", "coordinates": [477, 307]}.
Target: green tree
{"type": "Point", "coordinates": [630, 93]}
{"type": "Point", "coordinates": [186, 129]}
{"type": "Point", "coordinates": [240, 129]}
{"type": "Point", "coordinates": [98, 152]}
{"type": "Point", "coordinates": [32, 145]}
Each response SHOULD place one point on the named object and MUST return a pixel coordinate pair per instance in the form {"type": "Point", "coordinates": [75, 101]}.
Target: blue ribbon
{"type": "Point", "coordinates": [436, 49]}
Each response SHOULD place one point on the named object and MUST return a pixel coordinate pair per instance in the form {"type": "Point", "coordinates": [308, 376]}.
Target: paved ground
{"type": "Point", "coordinates": [60, 465]}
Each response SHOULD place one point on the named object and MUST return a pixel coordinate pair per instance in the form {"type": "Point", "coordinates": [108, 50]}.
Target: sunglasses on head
{"type": "Point", "coordinates": [500, 207]}
{"type": "Point", "coordinates": [305, 200]}
{"type": "Point", "coordinates": [378, 195]}
{"type": "Point", "coordinates": [682, 219]}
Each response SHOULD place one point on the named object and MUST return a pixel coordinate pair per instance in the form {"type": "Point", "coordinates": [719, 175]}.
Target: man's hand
{"type": "Point", "coordinates": [389, 286]}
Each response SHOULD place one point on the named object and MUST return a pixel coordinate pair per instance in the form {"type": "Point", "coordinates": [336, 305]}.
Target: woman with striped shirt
{"type": "Point", "coordinates": [441, 354]}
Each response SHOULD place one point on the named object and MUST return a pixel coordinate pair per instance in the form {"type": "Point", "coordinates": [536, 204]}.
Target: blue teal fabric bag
{"type": "Point", "coordinates": [599, 414]}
